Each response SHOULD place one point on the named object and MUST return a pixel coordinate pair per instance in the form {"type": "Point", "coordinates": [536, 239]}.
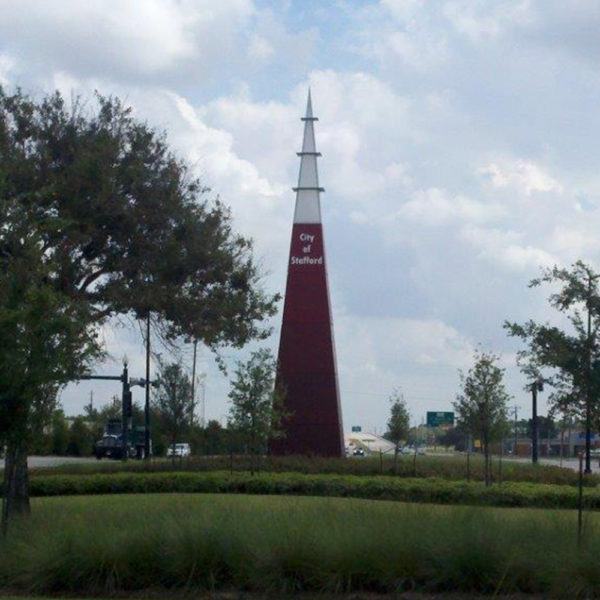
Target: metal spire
{"type": "Point", "coordinates": [308, 204]}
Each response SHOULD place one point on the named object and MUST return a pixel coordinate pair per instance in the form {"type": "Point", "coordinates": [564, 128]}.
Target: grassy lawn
{"type": "Point", "coordinates": [109, 544]}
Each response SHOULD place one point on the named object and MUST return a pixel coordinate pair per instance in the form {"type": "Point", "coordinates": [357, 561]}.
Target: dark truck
{"type": "Point", "coordinates": [111, 444]}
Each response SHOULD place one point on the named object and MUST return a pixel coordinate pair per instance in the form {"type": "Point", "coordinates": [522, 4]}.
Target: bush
{"type": "Point", "coordinates": [452, 468]}
{"type": "Point", "coordinates": [432, 490]}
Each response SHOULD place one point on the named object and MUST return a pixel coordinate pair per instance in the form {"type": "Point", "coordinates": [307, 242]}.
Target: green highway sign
{"type": "Point", "coordinates": [356, 428]}
{"type": "Point", "coordinates": [439, 419]}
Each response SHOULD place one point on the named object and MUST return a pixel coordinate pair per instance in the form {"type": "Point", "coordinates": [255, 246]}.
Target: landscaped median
{"type": "Point", "coordinates": [429, 490]}
{"type": "Point", "coordinates": [156, 545]}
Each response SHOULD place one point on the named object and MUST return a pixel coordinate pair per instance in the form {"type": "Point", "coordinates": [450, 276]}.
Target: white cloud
{"type": "Point", "coordinates": [6, 65]}
{"type": "Point", "coordinates": [524, 175]}
{"type": "Point", "coordinates": [435, 207]}
{"type": "Point", "coordinates": [132, 38]}
{"type": "Point", "coordinates": [508, 249]}
{"type": "Point", "coordinates": [480, 20]}
{"type": "Point", "coordinates": [260, 49]}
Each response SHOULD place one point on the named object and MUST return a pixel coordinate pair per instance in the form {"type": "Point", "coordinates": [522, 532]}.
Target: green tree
{"type": "Point", "coordinates": [481, 405]}
{"type": "Point", "coordinates": [111, 223]}
{"type": "Point", "coordinates": [172, 401]}
{"type": "Point", "coordinates": [80, 440]}
{"type": "Point", "coordinates": [60, 433]}
{"type": "Point", "coordinates": [453, 436]}
{"type": "Point", "coordinates": [570, 356]}
{"type": "Point", "coordinates": [398, 424]}
{"type": "Point", "coordinates": [256, 409]}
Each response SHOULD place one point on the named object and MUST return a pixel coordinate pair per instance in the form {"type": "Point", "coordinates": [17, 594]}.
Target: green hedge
{"type": "Point", "coordinates": [381, 488]}
{"type": "Point", "coordinates": [444, 467]}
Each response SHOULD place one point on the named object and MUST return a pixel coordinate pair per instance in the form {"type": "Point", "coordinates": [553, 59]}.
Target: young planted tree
{"type": "Point", "coordinates": [398, 424]}
{"type": "Point", "coordinates": [256, 404]}
{"type": "Point", "coordinates": [481, 405]}
{"type": "Point", "coordinates": [571, 355]}
{"type": "Point", "coordinates": [119, 227]}
{"type": "Point", "coordinates": [172, 401]}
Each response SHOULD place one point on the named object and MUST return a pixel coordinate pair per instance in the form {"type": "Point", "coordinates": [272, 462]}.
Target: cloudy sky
{"type": "Point", "coordinates": [459, 142]}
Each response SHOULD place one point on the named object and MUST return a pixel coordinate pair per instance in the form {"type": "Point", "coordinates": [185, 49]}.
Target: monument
{"type": "Point", "coordinates": [307, 364]}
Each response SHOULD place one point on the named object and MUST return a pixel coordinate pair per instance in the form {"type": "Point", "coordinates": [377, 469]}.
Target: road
{"type": "Point", "coordinates": [567, 463]}
{"type": "Point", "coordinates": [53, 461]}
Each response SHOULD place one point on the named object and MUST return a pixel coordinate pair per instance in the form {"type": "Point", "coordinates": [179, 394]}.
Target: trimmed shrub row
{"type": "Point", "coordinates": [378, 488]}
{"type": "Point", "coordinates": [444, 467]}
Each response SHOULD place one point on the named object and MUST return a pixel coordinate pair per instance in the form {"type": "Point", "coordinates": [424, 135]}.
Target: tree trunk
{"type": "Point", "coordinates": [396, 460]}
{"type": "Point", "coordinates": [15, 500]}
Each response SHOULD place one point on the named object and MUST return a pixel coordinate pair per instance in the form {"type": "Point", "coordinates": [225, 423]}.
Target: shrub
{"type": "Point", "coordinates": [453, 468]}
{"type": "Point", "coordinates": [432, 490]}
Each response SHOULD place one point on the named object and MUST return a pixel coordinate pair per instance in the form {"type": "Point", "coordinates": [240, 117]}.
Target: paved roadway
{"type": "Point", "coordinates": [567, 463]}
{"type": "Point", "coordinates": [53, 461]}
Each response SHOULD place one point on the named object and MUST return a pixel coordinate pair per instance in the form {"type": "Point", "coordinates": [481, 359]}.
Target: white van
{"type": "Point", "coordinates": [179, 450]}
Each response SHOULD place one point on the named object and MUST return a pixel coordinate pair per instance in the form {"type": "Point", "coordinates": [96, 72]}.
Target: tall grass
{"type": "Point", "coordinates": [444, 467]}
{"type": "Point", "coordinates": [93, 545]}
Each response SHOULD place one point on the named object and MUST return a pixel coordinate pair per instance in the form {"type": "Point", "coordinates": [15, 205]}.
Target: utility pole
{"type": "Point", "coordinates": [147, 391]}
{"type": "Point", "coordinates": [588, 384]}
{"type": "Point", "coordinates": [203, 397]}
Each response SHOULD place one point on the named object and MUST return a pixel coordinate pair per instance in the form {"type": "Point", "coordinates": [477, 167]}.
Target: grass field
{"type": "Point", "coordinates": [109, 544]}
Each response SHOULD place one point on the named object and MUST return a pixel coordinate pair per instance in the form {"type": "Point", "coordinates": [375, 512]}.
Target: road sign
{"type": "Point", "coordinates": [356, 428]}
{"type": "Point", "coordinates": [438, 419]}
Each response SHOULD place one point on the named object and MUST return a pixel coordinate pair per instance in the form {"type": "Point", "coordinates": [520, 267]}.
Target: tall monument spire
{"type": "Point", "coordinates": [307, 364]}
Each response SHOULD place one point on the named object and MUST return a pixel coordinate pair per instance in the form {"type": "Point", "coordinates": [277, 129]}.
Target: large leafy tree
{"type": "Point", "coordinates": [256, 407]}
{"type": "Point", "coordinates": [131, 230]}
{"type": "Point", "coordinates": [398, 424]}
{"type": "Point", "coordinates": [481, 405]}
{"type": "Point", "coordinates": [121, 228]}
{"type": "Point", "coordinates": [569, 356]}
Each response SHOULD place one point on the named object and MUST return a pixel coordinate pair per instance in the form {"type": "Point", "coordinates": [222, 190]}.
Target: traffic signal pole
{"type": "Point", "coordinates": [125, 402]}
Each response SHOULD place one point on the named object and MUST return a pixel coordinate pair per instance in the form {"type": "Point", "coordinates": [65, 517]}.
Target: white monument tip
{"type": "Point", "coordinates": [308, 204]}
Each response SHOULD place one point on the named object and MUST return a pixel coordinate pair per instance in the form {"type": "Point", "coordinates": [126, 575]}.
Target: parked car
{"type": "Point", "coordinates": [358, 452]}
{"type": "Point", "coordinates": [407, 450]}
{"type": "Point", "coordinates": [180, 450]}
{"type": "Point", "coordinates": [421, 450]}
